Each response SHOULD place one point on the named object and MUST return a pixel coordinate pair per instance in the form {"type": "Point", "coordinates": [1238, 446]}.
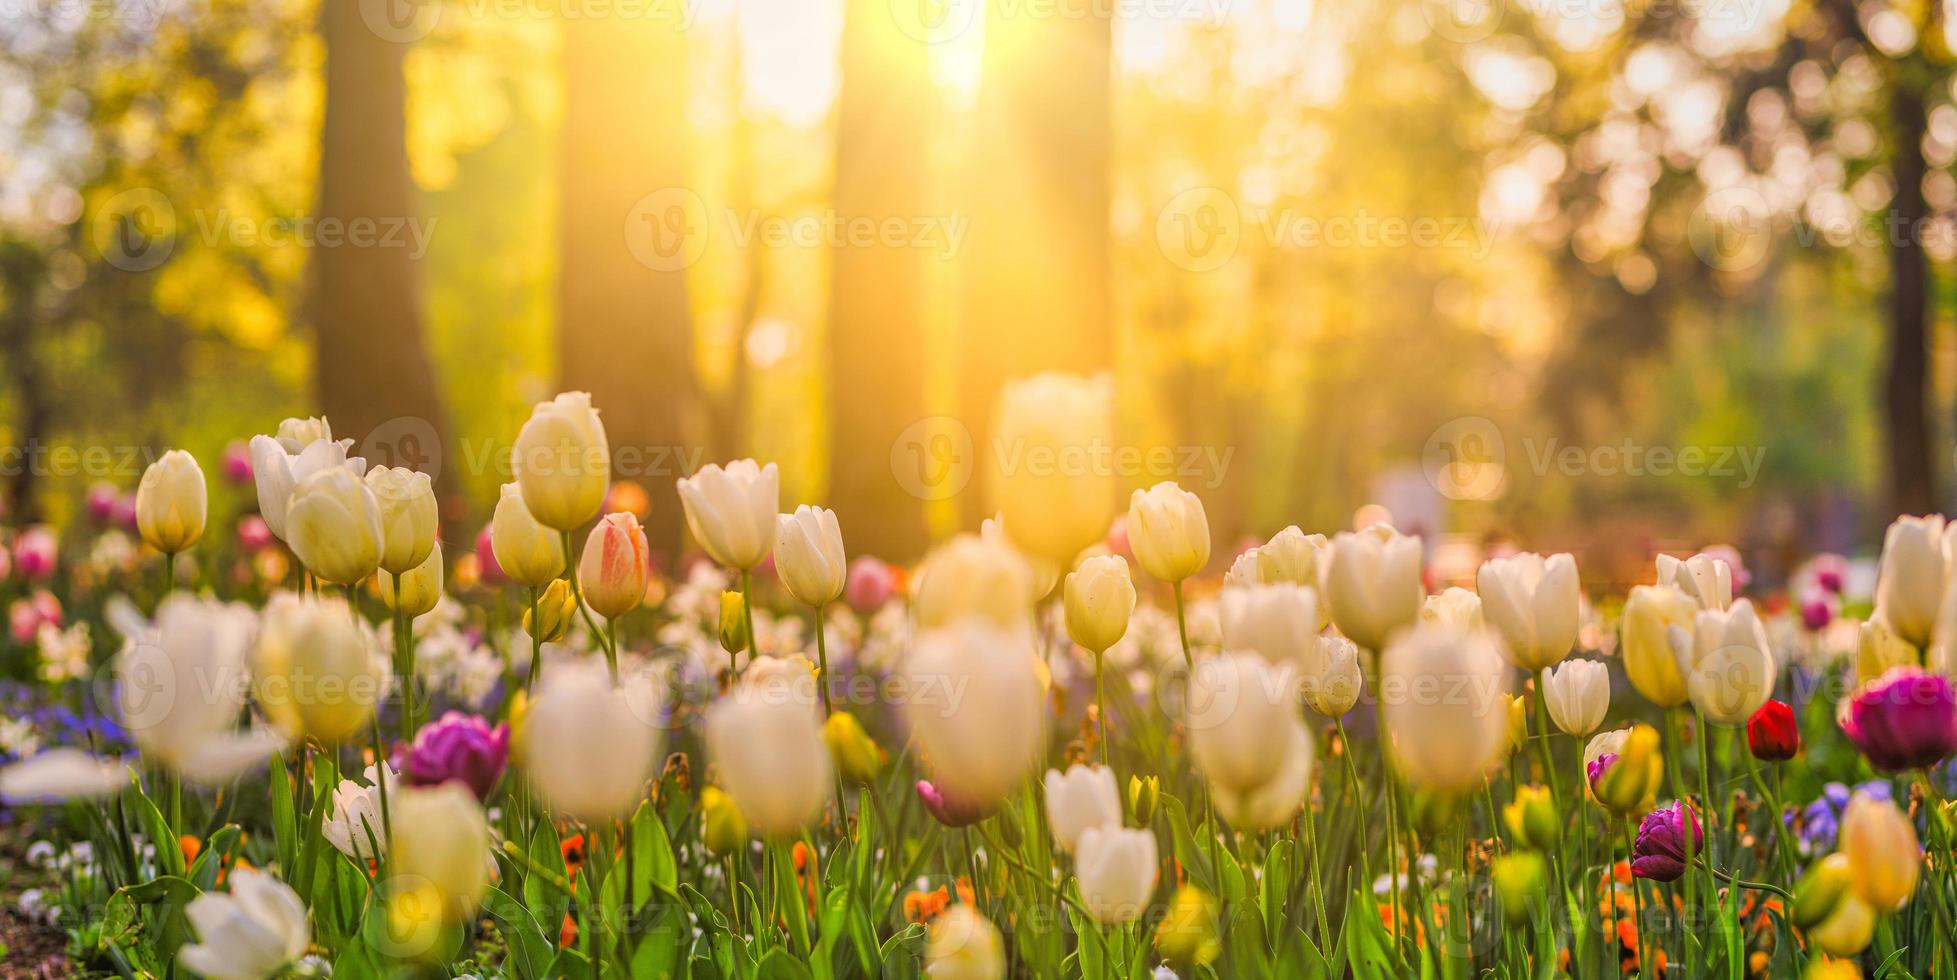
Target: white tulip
{"type": "Point", "coordinates": [315, 671]}
{"type": "Point", "coordinates": [61, 774]}
{"type": "Point", "coordinates": [964, 945]}
{"type": "Point", "coordinates": [1080, 798]}
{"type": "Point", "coordinates": [248, 933]}
{"type": "Point", "coordinates": [182, 689]}
{"type": "Point", "coordinates": [1237, 706]}
{"type": "Point", "coordinates": [295, 434]}
{"type": "Point", "coordinates": [979, 711]}
{"type": "Point", "coordinates": [1453, 606]}
{"type": "Point", "coordinates": [1332, 680]}
{"type": "Point", "coordinates": [1043, 573]}
{"type": "Point", "coordinates": [809, 555]}
{"type": "Point", "coordinates": [1916, 557]}
{"type": "Point", "coordinates": [1116, 870]}
{"type": "Point", "coordinates": [438, 854]}
{"type": "Point", "coordinates": [527, 552]}
{"type": "Point", "coordinates": [1293, 556]}
{"type": "Point", "coordinates": [1099, 598]}
{"type": "Point", "coordinates": [1534, 602]}
{"type": "Point", "coordinates": [1168, 532]}
{"type": "Point", "coordinates": [409, 522]}
{"type": "Point", "coordinates": [588, 747]}
{"type": "Point", "coordinates": [334, 526]}
{"type": "Point", "coordinates": [1727, 666]}
{"type": "Point", "coordinates": [279, 465]}
{"type": "Point", "coordinates": [969, 575]}
{"type": "Point", "coordinates": [1446, 707]}
{"type": "Point", "coordinates": [562, 461]}
{"type": "Point", "coordinates": [1277, 622]}
{"type": "Point", "coordinates": [1273, 803]}
{"type": "Point", "coordinates": [416, 591]}
{"type": "Point", "coordinates": [1577, 693]}
{"type": "Point", "coordinates": [1706, 580]}
{"type": "Point", "coordinates": [1058, 496]}
{"type": "Point", "coordinates": [765, 740]}
{"type": "Point", "coordinates": [731, 510]}
{"type": "Point", "coordinates": [1372, 583]}
{"type": "Point", "coordinates": [171, 502]}
{"type": "Point", "coordinates": [356, 827]}
{"type": "Point", "coordinates": [1651, 612]}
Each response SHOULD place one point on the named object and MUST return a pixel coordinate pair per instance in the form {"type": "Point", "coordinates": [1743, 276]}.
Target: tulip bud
{"type": "Point", "coordinates": [1446, 743]}
{"type": "Point", "coordinates": [1577, 694]}
{"type": "Point", "coordinates": [1910, 582]}
{"type": "Point", "coordinates": [1115, 869]}
{"type": "Point", "coordinates": [171, 502]}
{"type": "Point", "coordinates": [615, 566]}
{"type": "Point", "coordinates": [1883, 855]}
{"type": "Point", "coordinates": [1055, 498]}
{"type": "Point", "coordinates": [1667, 839]}
{"type": "Point", "coordinates": [408, 520]}
{"type": "Point", "coordinates": [733, 622]}
{"type": "Point", "coordinates": [1277, 622]}
{"type": "Point", "coordinates": [1533, 601]}
{"type": "Point", "coordinates": [1455, 607]}
{"type": "Point", "coordinates": [1728, 668]}
{"type": "Point", "coordinates": [334, 526]}
{"type": "Point", "coordinates": [563, 463]}
{"type": "Point", "coordinates": [1705, 579]}
{"type": "Point", "coordinates": [1905, 719]}
{"type": "Point", "coordinates": [556, 608]}
{"type": "Point", "coordinates": [809, 555]}
{"type": "Point", "coordinates": [1532, 819]}
{"type": "Point", "coordinates": [1292, 557]}
{"type": "Point", "coordinates": [1519, 879]}
{"type": "Point", "coordinates": [1080, 798]}
{"type": "Point", "coordinates": [981, 744]}
{"type": "Point", "coordinates": [1650, 614]}
{"type": "Point", "coordinates": [1518, 723]}
{"type": "Point", "coordinates": [1188, 937]}
{"type": "Point", "coordinates": [415, 591]}
{"type": "Point", "coordinates": [722, 828]}
{"type": "Point", "coordinates": [1143, 794]}
{"type": "Point", "coordinates": [527, 552]}
{"type": "Point", "coordinates": [1847, 929]}
{"type": "Point", "coordinates": [1626, 782]}
{"type": "Point", "coordinates": [1772, 733]}
{"type": "Point", "coordinates": [1332, 680]}
{"type": "Point", "coordinates": [970, 575]}
{"type": "Point", "coordinates": [314, 672]}
{"type": "Point", "coordinates": [1878, 650]}
{"type": "Point", "coordinates": [587, 746]}
{"type": "Point", "coordinates": [1238, 707]}
{"type": "Point", "coordinates": [1168, 532]}
{"type": "Point", "coordinates": [1099, 598]}
{"type": "Point", "coordinates": [1821, 889]}
{"type": "Point", "coordinates": [857, 756]}
{"type": "Point", "coordinates": [765, 739]}
{"type": "Point", "coordinates": [440, 841]}
{"type": "Point", "coordinates": [732, 510]}
{"type": "Point", "coordinates": [963, 945]}
{"type": "Point", "coordinates": [1372, 583]}
{"type": "Point", "coordinates": [1272, 803]}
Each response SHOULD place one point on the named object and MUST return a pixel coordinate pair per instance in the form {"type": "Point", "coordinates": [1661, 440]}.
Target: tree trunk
{"type": "Point", "coordinates": [630, 228]}
{"type": "Point", "coordinates": [1036, 293]}
{"type": "Point", "coordinates": [374, 378]}
{"type": "Point", "coordinates": [1912, 488]}
{"type": "Point", "coordinates": [877, 293]}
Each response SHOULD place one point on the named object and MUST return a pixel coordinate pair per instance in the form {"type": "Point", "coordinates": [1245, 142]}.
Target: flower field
{"type": "Point", "coordinates": [333, 736]}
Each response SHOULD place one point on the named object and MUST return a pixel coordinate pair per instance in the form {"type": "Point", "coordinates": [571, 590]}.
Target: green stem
{"type": "Point", "coordinates": [828, 709]}
{"type": "Point", "coordinates": [747, 614]}
{"type": "Point", "coordinates": [1182, 629]}
{"type": "Point", "coordinates": [1317, 880]}
{"type": "Point", "coordinates": [611, 648]}
{"type": "Point", "coordinates": [577, 591]}
{"type": "Point", "coordinates": [1101, 703]}
{"type": "Point", "coordinates": [1637, 904]}
{"type": "Point", "coordinates": [404, 670]}
{"type": "Point", "coordinates": [1352, 781]}
{"type": "Point", "coordinates": [1758, 886]}
{"type": "Point", "coordinates": [536, 642]}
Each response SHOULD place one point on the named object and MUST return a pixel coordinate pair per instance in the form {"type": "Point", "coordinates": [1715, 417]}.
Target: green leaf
{"type": "Point", "coordinates": [169, 856]}
{"type": "Point", "coordinates": [653, 854]}
{"type": "Point", "coordinates": [1090, 946]}
{"type": "Point", "coordinates": [902, 952]}
{"type": "Point", "coordinates": [211, 860]}
{"type": "Point", "coordinates": [529, 950]}
{"type": "Point", "coordinates": [285, 820]}
{"type": "Point", "coordinates": [779, 964]}
{"type": "Point", "coordinates": [168, 889]}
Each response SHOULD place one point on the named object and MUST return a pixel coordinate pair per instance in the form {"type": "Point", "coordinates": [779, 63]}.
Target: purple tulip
{"type": "Point", "coordinates": [459, 747]}
{"type": "Point", "coordinates": [949, 812]}
{"type": "Point", "coordinates": [1905, 719]}
{"type": "Point", "coordinates": [1659, 853]}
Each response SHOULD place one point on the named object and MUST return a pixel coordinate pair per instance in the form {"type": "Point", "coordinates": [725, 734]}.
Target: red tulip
{"type": "Point", "coordinates": [1772, 734]}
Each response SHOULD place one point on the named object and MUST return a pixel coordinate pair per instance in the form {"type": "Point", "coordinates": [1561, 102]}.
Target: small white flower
{"type": "Point", "coordinates": [18, 738]}
{"type": "Point", "coordinates": [40, 854]}
{"type": "Point", "coordinates": [64, 653]}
